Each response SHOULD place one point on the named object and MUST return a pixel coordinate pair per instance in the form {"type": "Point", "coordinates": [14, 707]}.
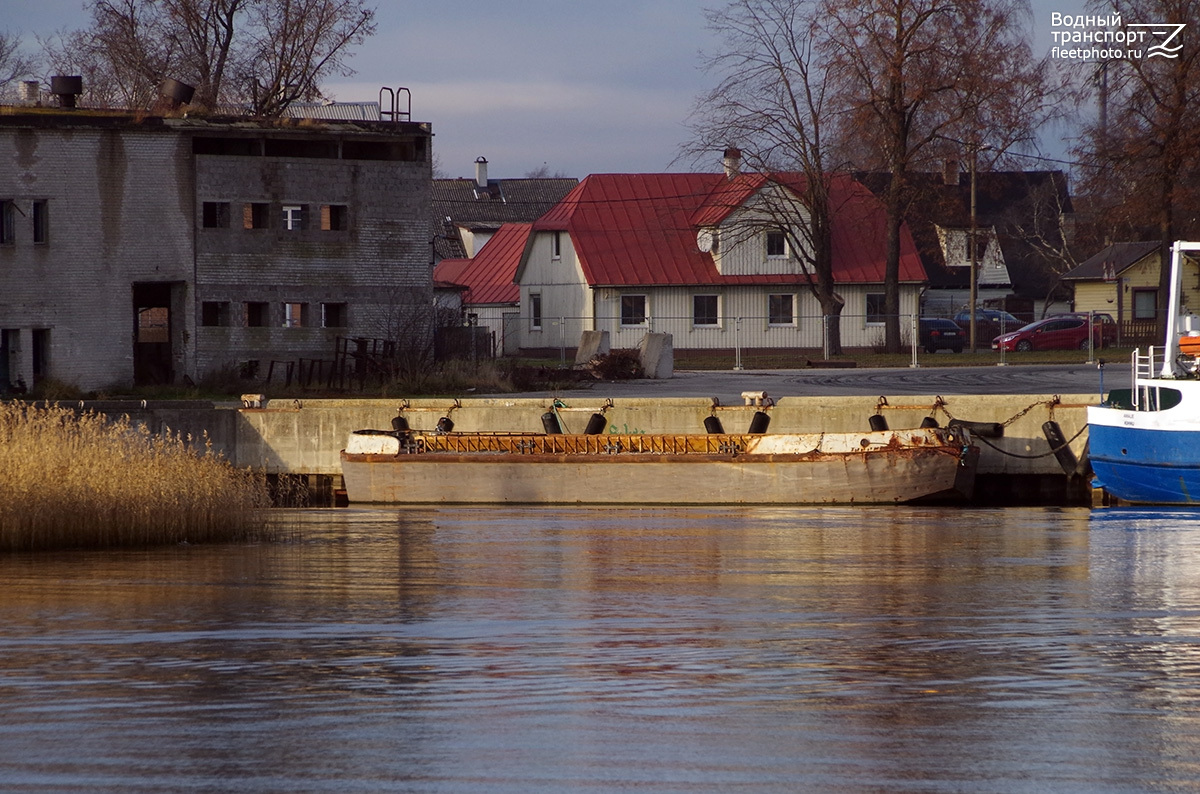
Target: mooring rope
{"type": "Point", "coordinates": [1053, 450]}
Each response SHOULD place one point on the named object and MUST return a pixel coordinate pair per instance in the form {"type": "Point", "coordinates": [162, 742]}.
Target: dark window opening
{"type": "Point", "coordinates": [334, 315]}
{"type": "Point", "coordinates": [334, 217]}
{"type": "Point", "coordinates": [7, 221]}
{"type": "Point", "coordinates": [214, 313]}
{"type": "Point", "coordinates": [238, 147]}
{"type": "Point", "coordinates": [284, 147]}
{"type": "Point", "coordinates": [257, 314]}
{"type": "Point", "coordinates": [535, 312]}
{"type": "Point", "coordinates": [875, 308]}
{"type": "Point", "coordinates": [41, 221]}
{"type": "Point", "coordinates": [216, 215]}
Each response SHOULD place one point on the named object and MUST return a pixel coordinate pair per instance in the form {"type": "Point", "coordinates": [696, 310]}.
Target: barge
{"type": "Point", "coordinates": [925, 464]}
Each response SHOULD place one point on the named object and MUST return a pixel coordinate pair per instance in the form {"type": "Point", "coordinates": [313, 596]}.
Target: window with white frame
{"type": "Point", "coordinates": [293, 217]}
{"type": "Point", "coordinates": [875, 308]}
{"type": "Point", "coordinates": [633, 310]}
{"type": "Point", "coordinates": [535, 311]}
{"type": "Point", "coordinates": [705, 311]}
{"type": "Point", "coordinates": [781, 309]}
{"type": "Point", "coordinates": [776, 245]}
{"type": "Point", "coordinates": [556, 245]}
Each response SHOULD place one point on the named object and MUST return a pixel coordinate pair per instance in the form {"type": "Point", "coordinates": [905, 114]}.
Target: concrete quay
{"type": "Point", "coordinates": [302, 437]}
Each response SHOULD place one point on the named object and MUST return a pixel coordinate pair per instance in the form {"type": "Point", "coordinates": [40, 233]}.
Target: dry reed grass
{"type": "Point", "coordinates": [70, 481]}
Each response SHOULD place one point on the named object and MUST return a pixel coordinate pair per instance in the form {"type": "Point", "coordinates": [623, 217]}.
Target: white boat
{"type": "Point", "coordinates": [1144, 443]}
{"type": "Point", "coordinates": [878, 467]}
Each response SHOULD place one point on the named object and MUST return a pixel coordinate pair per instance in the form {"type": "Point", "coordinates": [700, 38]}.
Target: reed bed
{"type": "Point", "coordinates": [69, 480]}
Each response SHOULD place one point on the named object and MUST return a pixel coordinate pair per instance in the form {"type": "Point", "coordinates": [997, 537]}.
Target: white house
{"type": "Point", "coordinates": [690, 255]}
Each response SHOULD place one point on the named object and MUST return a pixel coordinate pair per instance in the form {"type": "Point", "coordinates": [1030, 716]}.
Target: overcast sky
{"type": "Point", "coordinates": [598, 87]}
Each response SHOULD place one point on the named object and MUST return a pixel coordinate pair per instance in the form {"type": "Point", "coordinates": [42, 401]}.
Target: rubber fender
{"type": "Point", "coordinates": [550, 424]}
{"type": "Point", "coordinates": [713, 426]}
{"type": "Point", "coordinates": [983, 429]}
{"type": "Point", "coordinates": [878, 422]}
{"type": "Point", "coordinates": [759, 423]}
{"type": "Point", "coordinates": [1058, 443]}
{"type": "Point", "coordinates": [595, 425]}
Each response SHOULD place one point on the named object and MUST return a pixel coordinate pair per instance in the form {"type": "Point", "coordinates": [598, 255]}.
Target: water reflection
{"type": "Point", "coordinates": [590, 649]}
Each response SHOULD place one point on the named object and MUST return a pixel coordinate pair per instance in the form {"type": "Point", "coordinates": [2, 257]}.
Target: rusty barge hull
{"type": "Point", "coordinates": [511, 468]}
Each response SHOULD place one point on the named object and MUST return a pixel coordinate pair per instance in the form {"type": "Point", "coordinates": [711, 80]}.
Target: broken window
{"type": "Point", "coordinates": [256, 314]}
{"type": "Point", "coordinates": [216, 215]}
{"type": "Point", "coordinates": [255, 215]}
{"type": "Point", "coordinates": [334, 315]}
{"type": "Point", "coordinates": [295, 315]}
{"type": "Point", "coordinates": [214, 313]}
{"type": "Point", "coordinates": [334, 217]}
{"type": "Point", "coordinates": [41, 221]}
{"type": "Point", "coordinates": [7, 218]}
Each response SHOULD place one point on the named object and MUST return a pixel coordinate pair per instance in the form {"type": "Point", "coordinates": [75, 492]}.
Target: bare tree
{"type": "Point", "coordinates": [1143, 156]}
{"type": "Point", "coordinates": [14, 64]}
{"type": "Point", "coordinates": [265, 54]}
{"type": "Point", "coordinates": [770, 102]}
{"type": "Point", "coordinates": [916, 75]}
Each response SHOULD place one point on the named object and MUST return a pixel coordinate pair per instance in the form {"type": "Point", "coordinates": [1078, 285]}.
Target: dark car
{"type": "Point", "coordinates": [1066, 332]}
{"type": "Point", "coordinates": [940, 334]}
{"type": "Point", "coordinates": [989, 323]}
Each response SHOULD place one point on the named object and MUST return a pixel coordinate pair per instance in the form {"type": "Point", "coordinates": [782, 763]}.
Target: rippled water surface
{"type": "Point", "coordinates": [657, 650]}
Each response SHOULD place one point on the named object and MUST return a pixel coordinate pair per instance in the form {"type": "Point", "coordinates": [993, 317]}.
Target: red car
{"type": "Point", "coordinates": [1064, 332]}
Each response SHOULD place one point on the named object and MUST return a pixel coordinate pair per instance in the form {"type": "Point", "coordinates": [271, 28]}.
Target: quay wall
{"type": "Point", "coordinates": [304, 437]}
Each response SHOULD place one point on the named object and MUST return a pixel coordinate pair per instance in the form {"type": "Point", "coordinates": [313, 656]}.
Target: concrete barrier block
{"type": "Point", "coordinates": [591, 344]}
{"type": "Point", "coordinates": [657, 352]}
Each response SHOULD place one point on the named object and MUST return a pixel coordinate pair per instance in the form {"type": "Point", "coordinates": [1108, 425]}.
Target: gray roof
{"type": "Point", "coordinates": [1111, 261]}
{"type": "Point", "coordinates": [464, 203]}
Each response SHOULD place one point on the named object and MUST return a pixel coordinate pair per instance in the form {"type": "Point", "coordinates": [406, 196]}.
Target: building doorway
{"type": "Point", "coordinates": [155, 332]}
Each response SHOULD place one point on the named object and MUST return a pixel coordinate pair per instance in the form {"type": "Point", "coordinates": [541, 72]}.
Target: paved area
{"type": "Point", "coordinates": [727, 386]}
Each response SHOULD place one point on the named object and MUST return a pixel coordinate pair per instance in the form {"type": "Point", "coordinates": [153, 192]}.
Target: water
{"type": "Point", "coordinates": [598, 650]}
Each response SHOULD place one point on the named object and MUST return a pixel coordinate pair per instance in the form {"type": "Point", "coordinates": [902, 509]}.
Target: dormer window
{"type": "Point", "coordinates": [776, 245]}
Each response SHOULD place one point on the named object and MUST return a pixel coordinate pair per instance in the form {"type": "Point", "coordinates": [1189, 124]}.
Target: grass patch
{"type": "Point", "coordinates": [73, 481]}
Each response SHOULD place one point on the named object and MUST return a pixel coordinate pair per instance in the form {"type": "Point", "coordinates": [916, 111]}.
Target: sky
{"type": "Point", "coordinates": [580, 88]}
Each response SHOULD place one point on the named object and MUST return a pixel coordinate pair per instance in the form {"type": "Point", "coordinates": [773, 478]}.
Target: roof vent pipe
{"type": "Point", "coordinates": [481, 179]}
{"type": "Point", "coordinates": [66, 88]}
{"type": "Point", "coordinates": [175, 93]}
{"type": "Point", "coordinates": [732, 162]}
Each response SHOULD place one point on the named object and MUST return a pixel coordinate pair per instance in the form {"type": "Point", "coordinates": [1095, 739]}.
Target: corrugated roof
{"type": "Point", "coordinates": [505, 201]}
{"type": "Point", "coordinates": [489, 276]}
{"type": "Point", "coordinates": [1112, 261]}
{"type": "Point", "coordinates": [640, 229]}
{"type": "Point", "coordinates": [333, 111]}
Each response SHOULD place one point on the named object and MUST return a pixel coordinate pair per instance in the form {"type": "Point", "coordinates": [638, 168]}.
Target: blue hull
{"type": "Point", "coordinates": [1147, 466]}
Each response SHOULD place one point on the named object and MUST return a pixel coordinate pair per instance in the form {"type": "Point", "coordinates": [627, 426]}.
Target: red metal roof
{"type": "Point", "coordinates": [489, 275]}
{"type": "Point", "coordinates": [640, 229]}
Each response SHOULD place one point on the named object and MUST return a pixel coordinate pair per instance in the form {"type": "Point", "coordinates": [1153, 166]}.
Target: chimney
{"type": "Point", "coordinates": [950, 172]}
{"type": "Point", "coordinates": [732, 162]}
{"type": "Point", "coordinates": [29, 92]}
{"type": "Point", "coordinates": [481, 179]}
{"type": "Point", "coordinates": [66, 89]}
